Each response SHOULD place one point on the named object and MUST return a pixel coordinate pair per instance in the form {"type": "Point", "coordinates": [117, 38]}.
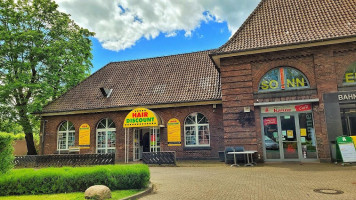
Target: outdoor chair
{"type": "Point", "coordinates": [229, 158]}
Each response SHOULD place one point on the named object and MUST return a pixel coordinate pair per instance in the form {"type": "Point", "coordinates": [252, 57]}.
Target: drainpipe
{"type": "Point", "coordinates": [43, 136]}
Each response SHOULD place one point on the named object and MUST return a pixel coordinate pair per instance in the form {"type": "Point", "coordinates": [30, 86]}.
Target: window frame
{"type": "Point", "coordinates": [66, 132]}
{"type": "Point", "coordinates": [352, 67]}
{"type": "Point", "coordinates": [196, 126]}
{"type": "Point", "coordinates": [105, 130]}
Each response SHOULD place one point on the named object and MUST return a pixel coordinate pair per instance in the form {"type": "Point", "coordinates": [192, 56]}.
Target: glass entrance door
{"type": "Point", "coordinates": [271, 137]}
{"type": "Point", "coordinates": [154, 140]}
{"type": "Point", "coordinates": [289, 136]}
{"type": "Point", "coordinates": [137, 147]}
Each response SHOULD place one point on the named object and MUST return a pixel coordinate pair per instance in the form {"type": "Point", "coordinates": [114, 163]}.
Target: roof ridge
{"type": "Point", "coordinates": [179, 54]}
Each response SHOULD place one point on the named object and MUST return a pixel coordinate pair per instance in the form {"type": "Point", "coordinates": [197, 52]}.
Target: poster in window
{"type": "Point", "coordinates": [84, 136]}
{"type": "Point", "coordinates": [174, 132]}
{"type": "Point", "coordinates": [303, 132]}
{"type": "Point", "coordinates": [290, 134]}
{"type": "Point", "coordinates": [284, 133]}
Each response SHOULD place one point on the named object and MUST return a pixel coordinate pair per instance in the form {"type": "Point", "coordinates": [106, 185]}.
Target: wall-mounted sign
{"type": "Point", "coordinates": [141, 117]}
{"type": "Point", "coordinates": [84, 136]}
{"type": "Point", "coordinates": [286, 108]}
{"type": "Point", "coordinates": [283, 78]}
{"type": "Point", "coordinates": [174, 132]}
{"type": "Point", "coordinates": [346, 96]}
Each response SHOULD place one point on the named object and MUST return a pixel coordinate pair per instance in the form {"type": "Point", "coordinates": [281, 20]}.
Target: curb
{"type": "Point", "coordinates": [148, 190]}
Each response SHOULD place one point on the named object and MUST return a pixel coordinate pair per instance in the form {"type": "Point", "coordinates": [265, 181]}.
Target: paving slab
{"type": "Point", "coordinates": [214, 180]}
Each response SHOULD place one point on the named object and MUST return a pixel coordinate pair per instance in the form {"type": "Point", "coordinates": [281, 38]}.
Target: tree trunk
{"type": "Point", "coordinates": [27, 128]}
{"type": "Point", "coordinates": [31, 150]}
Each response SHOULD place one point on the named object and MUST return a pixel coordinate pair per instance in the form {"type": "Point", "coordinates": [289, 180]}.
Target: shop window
{"type": "Point", "coordinates": [196, 129]}
{"type": "Point", "coordinates": [106, 136]}
{"type": "Point", "coordinates": [348, 119]}
{"type": "Point", "coordinates": [66, 135]}
{"type": "Point", "coordinates": [283, 78]}
{"type": "Point", "coordinates": [350, 75]}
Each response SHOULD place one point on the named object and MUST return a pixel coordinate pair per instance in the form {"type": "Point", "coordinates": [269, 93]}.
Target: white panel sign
{"type": "Point", "coordinates": [348, 152]}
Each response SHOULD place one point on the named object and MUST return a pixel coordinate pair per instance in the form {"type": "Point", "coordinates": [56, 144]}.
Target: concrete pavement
{"type": "Point", "coordinates": [214, 180]}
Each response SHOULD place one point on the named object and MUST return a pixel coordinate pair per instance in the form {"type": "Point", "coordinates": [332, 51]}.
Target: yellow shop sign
{"type": "Point", "coordinates": [173, 132]}
{"type": "Point", "coordinates": [84, 136]}
{"type": "Point", "coordinates": [141, 117]}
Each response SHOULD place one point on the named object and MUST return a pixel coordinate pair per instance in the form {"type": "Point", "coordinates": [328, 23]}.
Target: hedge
{"type": "Point", "coordinates": [73, 179]}
{"type": "Point", "coordinates": [6, 152]}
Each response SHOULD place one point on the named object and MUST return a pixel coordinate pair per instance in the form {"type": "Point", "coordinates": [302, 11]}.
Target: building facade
{"type": "Point", "coordinates": [284, 85]}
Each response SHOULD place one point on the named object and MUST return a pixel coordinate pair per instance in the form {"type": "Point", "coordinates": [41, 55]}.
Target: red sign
{"type": "Point", "coordinates": [304, 107]}
{"type": "Point", "coordinates": [269, 121]}
{"type": "Point", "coordinates": [286, 108]}
{"type": "Point", "coordinates": [281, 73]}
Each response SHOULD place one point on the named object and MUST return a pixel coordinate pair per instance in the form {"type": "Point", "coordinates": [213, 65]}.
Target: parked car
{"type": "Point", "coordinates": [271, 144]}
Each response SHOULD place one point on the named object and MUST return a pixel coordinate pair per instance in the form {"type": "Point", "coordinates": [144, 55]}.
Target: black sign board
{"type": "Point", "coordinates": [332, 103]}
{"type": "Point", "coordinates": [346, 97]}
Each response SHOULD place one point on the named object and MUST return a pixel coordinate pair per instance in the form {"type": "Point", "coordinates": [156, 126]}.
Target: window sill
{"type": "Point", "coordinates": [346, 87]}
{"type": "Point", "coordinates": [285, 93]}
{"type": "Point", "coordinates": [196, 148]}
{"type": "Point", "coordinates": [62, 151]}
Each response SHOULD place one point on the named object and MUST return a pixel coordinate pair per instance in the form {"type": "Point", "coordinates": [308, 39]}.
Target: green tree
{"type": "Point", "coordinates": [43, 53]}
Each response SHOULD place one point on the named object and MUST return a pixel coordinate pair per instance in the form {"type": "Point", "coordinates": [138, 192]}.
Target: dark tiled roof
{"type": "Point", "coordinates": [284, 22]}
{"type": "Point", "coordinates": [170, 79]}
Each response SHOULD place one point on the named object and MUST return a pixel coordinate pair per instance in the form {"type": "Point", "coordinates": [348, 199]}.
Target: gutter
{"type": "Point", "coordinates": [215, 57]}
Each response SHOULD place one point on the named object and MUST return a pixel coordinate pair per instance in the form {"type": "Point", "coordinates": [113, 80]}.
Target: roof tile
{"type": "Point", "coordinates": [285, 22]}
{"type": "Point", "coordinates": [170, 79]}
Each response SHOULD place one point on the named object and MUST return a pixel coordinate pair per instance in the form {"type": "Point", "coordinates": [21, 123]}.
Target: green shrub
{"type": "Point", "coordinates": [19, 136]}
{"type": "Point", "coordinates": [73, 179]}
{"type": "Point", "coordinates": [6, 150]}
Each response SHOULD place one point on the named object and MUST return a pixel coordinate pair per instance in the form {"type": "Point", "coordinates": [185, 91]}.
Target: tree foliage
{"type": "Point", "coordinates": [43, 53]}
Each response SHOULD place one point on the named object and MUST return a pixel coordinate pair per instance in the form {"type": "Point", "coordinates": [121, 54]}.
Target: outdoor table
{"type": "Point", "coordinates": [248, 155]}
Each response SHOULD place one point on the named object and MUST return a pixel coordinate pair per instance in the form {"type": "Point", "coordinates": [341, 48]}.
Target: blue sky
{"type": "Point", "coordinates": [136, 29]}
{"type": "Point", "coordinates": [209, 36]}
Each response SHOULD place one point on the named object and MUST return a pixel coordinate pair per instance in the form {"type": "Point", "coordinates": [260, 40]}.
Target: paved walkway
{"type": "Point", "coordinates": [269, 181]}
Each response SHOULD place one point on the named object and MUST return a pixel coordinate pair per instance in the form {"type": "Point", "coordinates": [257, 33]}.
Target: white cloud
{"type": "Point", "coordinates": [118, 24]}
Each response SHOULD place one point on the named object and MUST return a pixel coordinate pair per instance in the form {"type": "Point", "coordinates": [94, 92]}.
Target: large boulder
{"type": "Point", "coordinates": [97, 192]}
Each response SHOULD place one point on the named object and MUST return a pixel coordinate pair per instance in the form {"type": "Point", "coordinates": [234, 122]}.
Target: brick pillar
{"type": "Point", "coordinates": [237, 93]}
{"type": "Point", "coordinates": [326, 82]}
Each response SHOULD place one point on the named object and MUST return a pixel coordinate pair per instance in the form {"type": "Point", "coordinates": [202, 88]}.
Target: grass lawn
{"type": "Point", "coordinates": [118, 194]}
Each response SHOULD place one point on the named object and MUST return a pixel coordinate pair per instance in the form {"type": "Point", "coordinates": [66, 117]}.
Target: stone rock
{"type": "Point", "coordinates": [98, 192]}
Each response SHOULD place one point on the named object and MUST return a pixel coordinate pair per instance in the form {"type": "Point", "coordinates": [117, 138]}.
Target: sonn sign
{"type": "Point", "coordinates": [283, 78]}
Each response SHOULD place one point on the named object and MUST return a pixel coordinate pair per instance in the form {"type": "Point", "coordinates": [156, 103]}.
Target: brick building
{"type": "Point", "coordinates": [184, 88]}
{"type": "Point", "coordinates": [284, 85]}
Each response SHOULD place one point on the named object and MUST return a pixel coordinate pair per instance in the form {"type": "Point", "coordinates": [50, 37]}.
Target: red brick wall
{"type": "Point", "coordinates": [215, 124]}
{"type": "Point", "coordinates": [240, 76]}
